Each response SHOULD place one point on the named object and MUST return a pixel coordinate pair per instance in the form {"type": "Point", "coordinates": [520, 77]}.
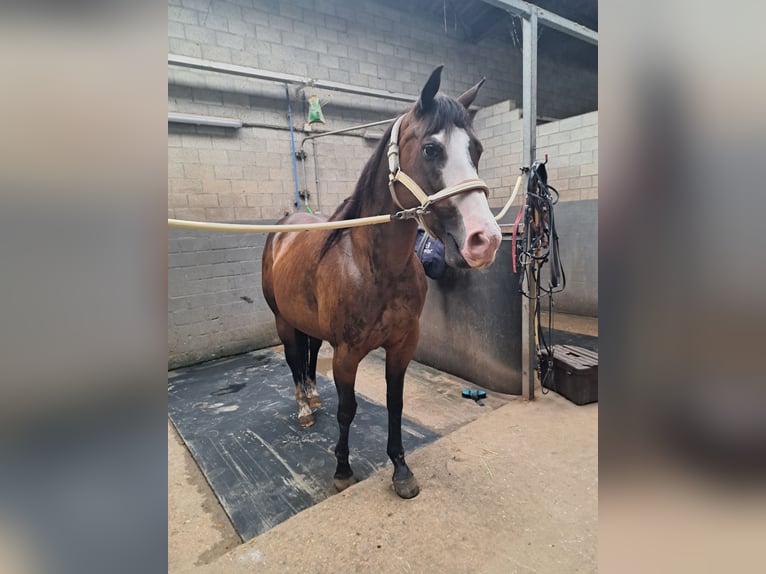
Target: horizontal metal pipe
{"type": "Point", "coordinates": [265, 126]}
{"type": "Point", "coordinates": [258, 125]}
{"type": "Point", "coordinates": [217, 121]}
{"type": "Point", "coordinates": [248, 72]}
{"type": "Point", "coordinates": [344, 130]}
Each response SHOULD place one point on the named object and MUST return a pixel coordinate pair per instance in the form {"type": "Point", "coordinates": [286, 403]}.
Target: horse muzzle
{"type": "Point", "coordinates": [480, 248]}
{"type": "Point", "coordinates": [476, 251]}
{"type": "Point", "coordinates": [480, 235]}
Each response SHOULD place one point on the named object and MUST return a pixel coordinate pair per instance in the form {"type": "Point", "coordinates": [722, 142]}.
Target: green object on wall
{"type": "Point", "coordinates": [315, 111]}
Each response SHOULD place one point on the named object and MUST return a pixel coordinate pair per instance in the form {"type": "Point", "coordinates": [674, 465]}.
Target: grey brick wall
{"type": "Point", "coordinates": [219, 174]}
{"type": "Point", "coordinates": [572, 147]}
{"type": "Point", "coordinates": [571, 144]}
{"type": "Point", "coordinates": [222, 174]}
{"type": "Point", "coordinates": [215, 305]}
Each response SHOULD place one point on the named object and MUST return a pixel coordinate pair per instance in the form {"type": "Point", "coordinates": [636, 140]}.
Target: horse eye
{"type": "Point", "coordinates": [431, 151]}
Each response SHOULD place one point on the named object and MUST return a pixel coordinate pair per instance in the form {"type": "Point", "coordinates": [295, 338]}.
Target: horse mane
{"type": "Point", "coordinates": [351, 207]}
{"type": "Point", "coordinates": [443, 112]}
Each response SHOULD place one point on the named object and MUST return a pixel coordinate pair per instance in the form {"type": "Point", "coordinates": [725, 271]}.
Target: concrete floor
{"type": "Point", "coordinates": [510, 487]}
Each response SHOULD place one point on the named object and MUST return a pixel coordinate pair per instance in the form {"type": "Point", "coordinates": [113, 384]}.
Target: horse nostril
{"type": "Point", "coordinates": [478, 241]}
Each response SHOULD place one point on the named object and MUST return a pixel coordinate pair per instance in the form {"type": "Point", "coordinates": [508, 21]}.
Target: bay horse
{"type": "Point", "coordinates": [363, 288]}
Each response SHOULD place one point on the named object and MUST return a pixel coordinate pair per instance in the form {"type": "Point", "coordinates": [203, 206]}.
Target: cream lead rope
{"type": "Point", "coordinates": [293, 227]}
{"type": "Point", "coordinates": [251, 228]}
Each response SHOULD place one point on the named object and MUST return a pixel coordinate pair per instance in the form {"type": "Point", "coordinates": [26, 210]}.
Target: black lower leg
{"type": "Point", "coordinates": [405, 484]}
{"type": "Point", "coordinates": [296, 353]}
{"type": "Point", "coordinates": [346, 412]}
{"type": "Point", "coordinates": [394, 447]}
{"type": "Point", "coordinates": [314, 345]}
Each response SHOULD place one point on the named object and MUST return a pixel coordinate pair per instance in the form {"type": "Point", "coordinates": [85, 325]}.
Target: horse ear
{"type": "Point", "coordinates": [429, 90]}
{"type": "Point", "coordinates": [470, 95]}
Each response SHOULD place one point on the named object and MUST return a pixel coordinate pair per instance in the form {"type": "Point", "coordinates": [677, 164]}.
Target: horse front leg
{"type": "Point", "coordinates": [344, 367]}
{"type": "Point", "coordinates": [311, 375]}
{"type": "Point", "coordinates": [397, 360]}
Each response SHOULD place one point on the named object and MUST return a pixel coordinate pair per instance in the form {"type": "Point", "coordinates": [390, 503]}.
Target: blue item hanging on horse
{"type": "Point", "coordinates": [431, 254]}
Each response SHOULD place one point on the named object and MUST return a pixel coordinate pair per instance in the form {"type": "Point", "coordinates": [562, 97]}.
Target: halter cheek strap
{"type": "Point", "coordinates": [395, 174]}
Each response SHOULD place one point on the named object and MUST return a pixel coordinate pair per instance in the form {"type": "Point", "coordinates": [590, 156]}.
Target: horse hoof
{"type": "Point", "coordinates": [306, 421]}
{"type": "Point", "coordinates": [407, 488]}
{"type": "Point", "coordinates": [315, 402]}
{"type": "Point", "coordinates": [342, 484]}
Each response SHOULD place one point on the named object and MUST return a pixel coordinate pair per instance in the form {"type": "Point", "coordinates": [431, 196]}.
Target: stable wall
{"type": "Point", "coordinates": [571, 145]}
{"type": "Point", "coordinates": [210, 273]}
{"type": "Point", "coordinates": [219, 174]}
{"type": "Point", "coordinates": [471, 324]}
{"type": "Point", "coordinates": [215, 304]}
{"type": "Point", "coordinates": [572, 148]}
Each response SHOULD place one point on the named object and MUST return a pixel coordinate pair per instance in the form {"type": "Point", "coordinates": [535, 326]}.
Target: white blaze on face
{"type": "Point", "coordinates": [482, 234]}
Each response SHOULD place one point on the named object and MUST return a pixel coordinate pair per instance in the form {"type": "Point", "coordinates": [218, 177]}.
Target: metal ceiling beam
{"type": "Point", "coordinates": [524, 9]}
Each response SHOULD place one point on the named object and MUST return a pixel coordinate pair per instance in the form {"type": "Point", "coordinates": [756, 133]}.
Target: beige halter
{"type": "Point", "coordinates": [395, 174]}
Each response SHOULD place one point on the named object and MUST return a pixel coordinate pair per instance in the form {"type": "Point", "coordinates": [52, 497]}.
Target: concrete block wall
{"type": "Point", "coordinates": [360, 42]}
{"type": "Point", "coordinates": [220, 174]}
{"type": "Point", "coordinates": [340, 160]}
{"type": "Point", "coordinates": [215, 304]}
{"type": "Point", "coordinates": [572, 147]}
{"type": "Point", "coordinates": [215, 176]}
{"type": "Point", "coordinates": [563, 91]}
{"type": "Point", "coordinates": [499, 128]}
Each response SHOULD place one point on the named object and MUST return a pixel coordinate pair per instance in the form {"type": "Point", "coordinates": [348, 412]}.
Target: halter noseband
{"type": "Point", "coordinates": [395, 174]}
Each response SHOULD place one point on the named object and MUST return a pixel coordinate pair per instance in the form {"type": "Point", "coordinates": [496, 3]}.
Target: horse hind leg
{"type": "Point", "coordinates": [296, 353]}
{"type": "Point", "coordinates": [311, 378]}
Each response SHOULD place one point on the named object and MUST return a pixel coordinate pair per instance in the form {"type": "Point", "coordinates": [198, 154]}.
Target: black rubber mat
{"type": "Point", "coordinates": [238, 418]}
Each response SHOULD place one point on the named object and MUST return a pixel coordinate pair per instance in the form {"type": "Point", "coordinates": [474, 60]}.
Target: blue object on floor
{"type": "Point", "coordinates": [238, 418]}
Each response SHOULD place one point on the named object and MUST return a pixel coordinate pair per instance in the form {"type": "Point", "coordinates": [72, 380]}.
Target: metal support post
{"type": "Point", "coordinates": [529, 109]}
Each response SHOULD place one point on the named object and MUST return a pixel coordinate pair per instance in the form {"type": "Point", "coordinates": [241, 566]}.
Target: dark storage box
{"type": "Point", "coordinates": [575, 373]}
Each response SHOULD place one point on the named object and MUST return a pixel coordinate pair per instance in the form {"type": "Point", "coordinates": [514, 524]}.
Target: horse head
{"type": "Point", "coordinates": [435, 146]}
